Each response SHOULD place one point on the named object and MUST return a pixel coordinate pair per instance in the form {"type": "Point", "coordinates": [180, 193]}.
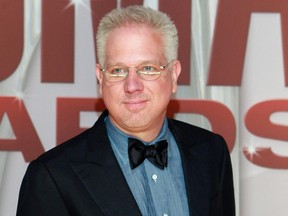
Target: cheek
{"type": "Point", "coordinates": [164, 91]}
{"type": "Point", "coordinates": [111, 92]}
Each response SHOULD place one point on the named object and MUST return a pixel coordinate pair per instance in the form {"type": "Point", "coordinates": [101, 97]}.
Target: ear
{"type": "Point", "coordinates": [176, 70]}
{"type": "Point", "coordinates": [99, 76]}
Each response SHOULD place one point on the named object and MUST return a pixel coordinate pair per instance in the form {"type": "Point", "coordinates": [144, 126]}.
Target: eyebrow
{"type": "Point", "coordinates": [125, 65]}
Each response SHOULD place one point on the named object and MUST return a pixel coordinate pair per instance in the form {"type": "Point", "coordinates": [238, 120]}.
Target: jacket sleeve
{"type": "Point", "coordinates": [39, 194]}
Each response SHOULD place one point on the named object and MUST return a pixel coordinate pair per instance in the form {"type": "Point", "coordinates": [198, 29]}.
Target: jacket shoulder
{"type": "Point", "coordinates": [184, 127]}
{"type": "Point", "coordinates": [76, 145]}
{"type": "Point", "coordinates": [75, 148]}
{"type": "Point", "coordinates": [192, 135]}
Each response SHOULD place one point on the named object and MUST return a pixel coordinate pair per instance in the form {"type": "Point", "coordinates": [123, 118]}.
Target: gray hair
{"type": "Point", "coordinates": [138, 15]}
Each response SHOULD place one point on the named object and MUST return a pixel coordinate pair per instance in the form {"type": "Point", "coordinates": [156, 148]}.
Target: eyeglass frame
{"type": "Point", "coordinates": [162, 68]}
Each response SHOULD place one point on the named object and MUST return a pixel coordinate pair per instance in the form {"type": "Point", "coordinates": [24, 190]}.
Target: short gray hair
{"type": "Point", "coordinates": [138, 15]}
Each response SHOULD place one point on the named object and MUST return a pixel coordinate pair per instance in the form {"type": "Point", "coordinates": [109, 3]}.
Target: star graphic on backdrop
{"type": "Point", "coordinates": [19, 97]}
{"type": "Point", "coordinates": [251, 150]}
{"type": "Point", "coordinates": [78, 3]}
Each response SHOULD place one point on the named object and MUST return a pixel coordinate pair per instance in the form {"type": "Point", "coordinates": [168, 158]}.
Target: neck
{"type": "Point", "coordinates": [146, 134]}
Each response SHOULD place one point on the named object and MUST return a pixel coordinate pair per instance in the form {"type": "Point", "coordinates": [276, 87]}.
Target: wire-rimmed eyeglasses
{"type": "Point", "coordinates": [147, 71]}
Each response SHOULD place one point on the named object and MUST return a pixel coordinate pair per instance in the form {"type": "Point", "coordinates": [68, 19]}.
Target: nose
{"type": "Point", "coordinates": [133, 83]}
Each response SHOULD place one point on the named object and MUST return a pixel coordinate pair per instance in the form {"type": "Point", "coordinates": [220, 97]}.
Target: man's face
{"type": "Point", "coordinates": [136, 106]}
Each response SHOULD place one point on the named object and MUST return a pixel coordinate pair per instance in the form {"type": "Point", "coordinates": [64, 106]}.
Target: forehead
{"type": "Point", "coordinates": [134, 33]}
{"type": "Point", "coordinates": [134, 44]}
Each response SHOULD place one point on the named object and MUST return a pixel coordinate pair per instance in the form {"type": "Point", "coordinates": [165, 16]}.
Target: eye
{"type": "Point", "coordinates": [116, 70]}
{"type": "Point", "coordinates": [148, 68]}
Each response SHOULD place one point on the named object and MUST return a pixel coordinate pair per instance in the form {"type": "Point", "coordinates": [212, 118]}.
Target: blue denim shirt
{"type": "Point", "coordinates": [157, 192]}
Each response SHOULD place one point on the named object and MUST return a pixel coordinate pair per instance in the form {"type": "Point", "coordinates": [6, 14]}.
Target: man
{"type": "Point", "coordinates": [133, 161]}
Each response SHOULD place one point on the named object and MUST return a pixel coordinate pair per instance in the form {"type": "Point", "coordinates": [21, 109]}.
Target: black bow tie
{"type": "Point", "coordinates": [156, 154]}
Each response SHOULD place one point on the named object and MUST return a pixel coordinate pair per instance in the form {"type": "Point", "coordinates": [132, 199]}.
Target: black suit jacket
{"type": "Point", "coordinates": [83, 177]}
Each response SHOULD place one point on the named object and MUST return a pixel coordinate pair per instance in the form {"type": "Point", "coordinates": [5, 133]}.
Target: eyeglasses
{"type": "Point", "coordinates": [148, 72]}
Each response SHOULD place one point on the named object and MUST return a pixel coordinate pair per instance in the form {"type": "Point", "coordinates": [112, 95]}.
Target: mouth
{"type": "Point", "coordinates": [135, 104]}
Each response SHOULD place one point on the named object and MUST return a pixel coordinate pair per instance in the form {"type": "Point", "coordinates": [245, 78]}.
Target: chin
{"type": "Point", "coordinates": [136, 120]}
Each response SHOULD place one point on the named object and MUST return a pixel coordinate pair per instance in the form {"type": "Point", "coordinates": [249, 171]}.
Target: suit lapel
{"type": "Point", "coordinates": [195, 168]}
{"type": "Point", "coordinates": [102, 175]}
